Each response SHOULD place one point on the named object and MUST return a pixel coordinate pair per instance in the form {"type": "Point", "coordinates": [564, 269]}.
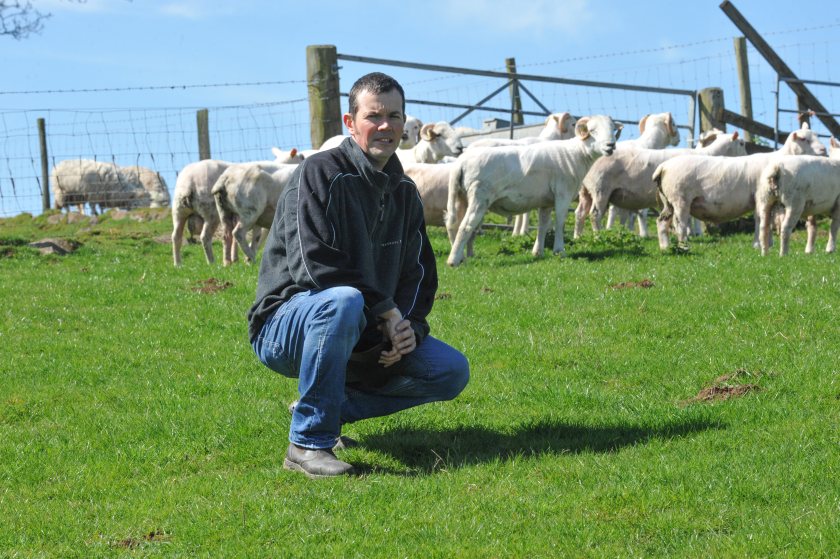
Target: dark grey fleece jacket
{"type": "Point", "coordinates": [342, 222]}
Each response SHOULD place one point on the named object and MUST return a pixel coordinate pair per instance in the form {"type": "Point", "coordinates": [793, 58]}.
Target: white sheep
{"type": "Point", "coordinates": [436, 141]}
{"type": "Point", "coordinates": [152, 182]}
{"type": "Point", "coordinates": [625, 178]}
{"type": "Point", "coordinates": [802, 185]}
{"type": "Point", "coordinates": [656, 131]}
{"type": "Point", "coordinates": [516, 179]}
{"type": "Point", "coordinates": [246, 199]}
{"type": "Point", "coordinates": [558, 126]}
{"type": "Point", "coordinates": [193, 196]}
{"type": "Point", "coordinates": [718, 189]}
{"type": "Point", "coordinates": [85, 181]}
{"type": "Point", "coordinates": [834, 151]}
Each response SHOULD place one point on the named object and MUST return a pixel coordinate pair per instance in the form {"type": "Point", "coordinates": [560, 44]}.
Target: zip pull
{"type": "Point", "coordinates": [381, 208]}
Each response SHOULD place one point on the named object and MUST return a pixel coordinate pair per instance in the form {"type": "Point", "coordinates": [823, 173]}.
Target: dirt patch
{"type": "Point", "coordinates": [486, 290]}
{"type": "Point", "coordinates": [163, 239]}
{"type": "Point", "coordinates": [727, 386]}
{"type": "Point", "coordinates": [211, 285]}
{"type": "Point", "coordinates": [56, 246]}
{"type": "Point", "coordinates": [443, 295]}
{"type": "Point", "coordinates": [134, 543]}
{"type": "Point", "coordinates": [644, 284]}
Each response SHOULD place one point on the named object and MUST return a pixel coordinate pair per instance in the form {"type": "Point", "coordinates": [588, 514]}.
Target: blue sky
{"type": "Point", "coordinates": [140, 51]}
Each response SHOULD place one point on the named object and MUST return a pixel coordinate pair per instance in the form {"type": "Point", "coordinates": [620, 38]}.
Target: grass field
{"type": "Point", "coordinates": [623, 403]}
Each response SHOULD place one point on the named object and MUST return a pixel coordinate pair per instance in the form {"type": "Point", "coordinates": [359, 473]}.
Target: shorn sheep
{"type": "Point", "coordinates": [625, 178]}
{"type": "Point", "coordinates": [437, 141]}
{"type": "Point", "coordinates": [193, 196]}
{"type": "Point", "coordinates": [246, 199]}
{"type": "Point", "coordinates": [152, 182]}
{"type": "Point", "coordinates": [515, 179]}
{"type": "Point", "coordinates": [76, 182]}
{"type": "Point", "coordinates": [718, 189]}
{"type": "Point", "coordinates": [802, 185]}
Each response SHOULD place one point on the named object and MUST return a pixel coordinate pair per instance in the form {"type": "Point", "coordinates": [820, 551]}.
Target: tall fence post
{"type": "Point", "coordinates": [711, 109]}
{"type": "Point", "coordinates": [202, 120]}
{"type": "Point", "coordinates": [515, 100]}
{"type": "Point", "coordinates": [744, 81]}
{"type": "Point", "coordinates": [45, 165]}
{"type": "Point", "coordinates": [324, 96]}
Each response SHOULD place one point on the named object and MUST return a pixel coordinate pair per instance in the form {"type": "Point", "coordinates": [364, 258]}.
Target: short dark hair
{"type": "Point", "coordinates": [375, 83]}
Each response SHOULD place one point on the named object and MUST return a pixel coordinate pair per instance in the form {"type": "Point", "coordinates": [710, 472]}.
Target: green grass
{"type": "Point", "coordinates": [135, 420]}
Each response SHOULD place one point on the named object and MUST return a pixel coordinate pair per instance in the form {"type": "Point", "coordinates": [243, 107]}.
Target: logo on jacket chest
{"type": "Point", "coordinates": [391, 243]}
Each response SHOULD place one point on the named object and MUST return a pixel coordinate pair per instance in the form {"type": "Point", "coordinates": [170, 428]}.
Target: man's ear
{"type": "Point", "coordinates": [348, 121]}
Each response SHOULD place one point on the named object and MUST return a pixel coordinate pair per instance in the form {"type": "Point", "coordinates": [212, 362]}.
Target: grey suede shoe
{"type": "Point", "coordinates": [315, 464]}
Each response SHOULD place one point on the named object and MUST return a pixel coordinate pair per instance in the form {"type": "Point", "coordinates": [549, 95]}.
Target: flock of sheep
{"type": "Point", "coordinates": [459, 184]}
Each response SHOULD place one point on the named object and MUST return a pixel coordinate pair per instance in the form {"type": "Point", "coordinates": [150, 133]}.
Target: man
{"type": "Point", "coordinates": [346, 281]}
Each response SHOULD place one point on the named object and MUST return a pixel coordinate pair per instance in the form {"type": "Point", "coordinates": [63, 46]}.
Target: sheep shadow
{"type": "Point", "coordinates": [425, 451]}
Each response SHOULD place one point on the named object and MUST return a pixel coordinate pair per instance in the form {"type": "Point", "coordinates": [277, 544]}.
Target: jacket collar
{"type": "Point", "coordinates": [387, 179]}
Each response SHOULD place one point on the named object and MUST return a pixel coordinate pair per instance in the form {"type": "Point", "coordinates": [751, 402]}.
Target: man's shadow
{"type": "Point", "coordinates": [425, 451]}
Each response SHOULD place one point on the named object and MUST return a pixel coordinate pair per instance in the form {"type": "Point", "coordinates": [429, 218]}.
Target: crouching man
{"type": "Point", "coordinates": [346, 281]}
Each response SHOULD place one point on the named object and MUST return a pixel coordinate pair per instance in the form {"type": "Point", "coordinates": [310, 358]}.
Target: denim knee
{"type": "Point", "coordinates": [459, 376]}
{"type": "Point", "coordinates": [345, 305]}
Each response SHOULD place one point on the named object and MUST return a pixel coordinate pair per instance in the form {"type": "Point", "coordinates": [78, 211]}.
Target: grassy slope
{"type": "Point", "coordinates": [134, 417]}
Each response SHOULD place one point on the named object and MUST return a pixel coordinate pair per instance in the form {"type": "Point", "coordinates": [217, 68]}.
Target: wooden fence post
{"type": "Point", "coordinates": [202, 119]}
{"type": "Point", "coordinates": [515, 99]}
{"type": "Point", "coordinates": [711, 109]}
{"type": "Point", "coordinates": [744, 81]}
{"type": "Point", "coordinates": [324, 96]}
{"type": "Point", "coordinates": [45, 165]}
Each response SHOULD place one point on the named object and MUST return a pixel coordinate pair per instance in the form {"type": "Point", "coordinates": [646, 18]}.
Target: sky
{"type": "Point", "coordinates": [143, 54]}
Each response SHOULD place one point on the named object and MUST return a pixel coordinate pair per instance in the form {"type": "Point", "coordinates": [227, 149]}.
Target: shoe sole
{"type": "Point", "coordinates": [295, 467]}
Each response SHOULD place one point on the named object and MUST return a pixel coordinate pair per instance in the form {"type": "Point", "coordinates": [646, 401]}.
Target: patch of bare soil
{"type": "Point", "coordinates": [56, 246]}
{"type": "Point", "coordinates": [443, 295]}
{"type": "Point", "coordinates": [645, 284]}
{"type": "Point", "coordinates": [211, 285]}
{"type": "Point", "coordinates": [134, 543]}
{"type": "Point", "coordinates": [726, 386]}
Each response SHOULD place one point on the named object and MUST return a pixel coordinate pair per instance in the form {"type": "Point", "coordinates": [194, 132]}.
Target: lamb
{"type": "Point", "coordinates": [834, 152]}
{"type": "Point", "coordinates": [81, 181]}
{"type": "Point", "coordinates": [152, 182]}
{"type": "Point", "coordinates": [802, 185]}
{"type": "Point", "coordinates": [193, 195]}
{"type": "Point", "coordinates": [718, 189]}
{"type": "Point", "coordinates": [436, 141]}
{"type": "Point", "coordinates": [246, 199]}
{"type": "Point", "coordinates": [625, 178]}
{"type": "Point", "coordinates": [410, 137]}
{"type": "Point", "coordinates": [515, 179]}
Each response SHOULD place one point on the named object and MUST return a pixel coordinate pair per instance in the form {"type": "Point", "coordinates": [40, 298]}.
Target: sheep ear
{"type": "Point", "coordinates": [293, 153]}
{"type": "Point", "coordinates": [618, 128]}
{"type": "Point", "coordinates": [672, 126]}
{"type": "Point", "coordinates": [427, 132]}
{"type": "Point", "coordinates": [834, 142]}
{"type": "Point", "coordinates": [642, 124]}
{"type": "Point", "coordinates": [276, 151]}
{"type": "Point", "coordinates": [566, 120]}
{"type": "Point", "coordinates": [582, 129]}
{"type": "Point", "coordinates": [735, 135]}
{"type": "Point", "coordinates": [709, 138]}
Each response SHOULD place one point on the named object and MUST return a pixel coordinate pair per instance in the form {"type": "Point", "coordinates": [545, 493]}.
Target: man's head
{"type": "Point", "coordinates": [377, 116]}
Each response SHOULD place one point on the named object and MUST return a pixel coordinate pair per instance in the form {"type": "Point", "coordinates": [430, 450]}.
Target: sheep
{"type": "Point", "coordinates": [625, 178]}
{"type": "Point", "coordinates": [834, 152]}
{"type": "Point", "coordinates": [802, 185]}
{"type": "Point", "coordinates": [515, 179]}
{"type": "Point", "coordinates": [410, 137]}
{"type": "Point", "coordinates": [558, 126]}
{"type": "Point", "coordinates": [81, 181]}
{"type": "Point", "coordinates": [152, 182]}
{"type": "Point", "coordinates": [656, 131]}
{"type": "Point", "coordinates": [718, 189]}
{"type": "Point", "coordinates": [246, 198]}
{"type": "Point", "coordinates": [436, 141]}
{"type": "Point", "coordinates": [193, 196]}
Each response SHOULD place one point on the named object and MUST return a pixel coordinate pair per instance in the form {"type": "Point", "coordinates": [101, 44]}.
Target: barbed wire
{"type": "Point", "coordinates": [148, 87]}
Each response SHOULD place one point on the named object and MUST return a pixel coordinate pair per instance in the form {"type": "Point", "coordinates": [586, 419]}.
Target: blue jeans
{"type": "Point", "coordinates": [311, 337]}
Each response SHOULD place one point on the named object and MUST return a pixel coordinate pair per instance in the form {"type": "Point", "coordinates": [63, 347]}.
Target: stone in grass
{"type": "Point", "coordinates": [55, 246]}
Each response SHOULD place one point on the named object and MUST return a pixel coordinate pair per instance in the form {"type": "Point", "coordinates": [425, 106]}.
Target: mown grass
{"type": "Point", "coordinates": [135, 420]}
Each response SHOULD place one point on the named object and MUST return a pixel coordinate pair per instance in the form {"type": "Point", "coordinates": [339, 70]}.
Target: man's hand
{"type": "Point", "coordinates": [398, 331]}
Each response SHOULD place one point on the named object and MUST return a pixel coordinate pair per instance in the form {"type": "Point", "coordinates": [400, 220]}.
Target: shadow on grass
{"type": "Point", "coordinates": [424, 451]}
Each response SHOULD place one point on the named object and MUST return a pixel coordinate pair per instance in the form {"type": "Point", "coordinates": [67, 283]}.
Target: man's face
{"type": "Point", "coordinates": [377, 125]}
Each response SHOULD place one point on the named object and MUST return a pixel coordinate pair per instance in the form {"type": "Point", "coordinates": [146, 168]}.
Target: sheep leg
{"type": "Point", "coordinates": [207, 232]}
{"type": "Point", "coordinates": [583, 208]}
{"type": "Point", "coordinates": [520, 224]}
{"type": "Point", "coordinates": [811, 227]}
{"type": "Point", "coordinates": [681, 222]}
{"type": "Point", "coordinates": [239, 232]}
{"type": "Point", "coordinates": [792, 214]}
{"type": "Point", "coordinates": [763, 215]}
{"type": "Point", "coordinates": [561, 208]}
{"type": "Point", "coordinates": [472, 220]}
{"type": "Point", "coordinates": [543, 223]}
{"type": "Point", "coordinates": [612, 214]}
{"type": "Point", "coordinates": [179, 221]}
{"type": "Point", "coordinates": [643, 226]}
{"type": "Point", "coordinates": [835, 225]}
{"type": "Point", "coordinates": [600, 206]}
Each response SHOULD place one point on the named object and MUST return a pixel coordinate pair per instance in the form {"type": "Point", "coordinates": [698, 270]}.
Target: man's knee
{"type": "Point", "coordinates": [345, 305]}
{"type": "Point", "coordinates": [459, 376]}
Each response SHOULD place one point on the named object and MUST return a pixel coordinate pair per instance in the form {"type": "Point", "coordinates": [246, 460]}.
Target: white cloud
{"type": "Point", "coordinates": [533, 16]}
